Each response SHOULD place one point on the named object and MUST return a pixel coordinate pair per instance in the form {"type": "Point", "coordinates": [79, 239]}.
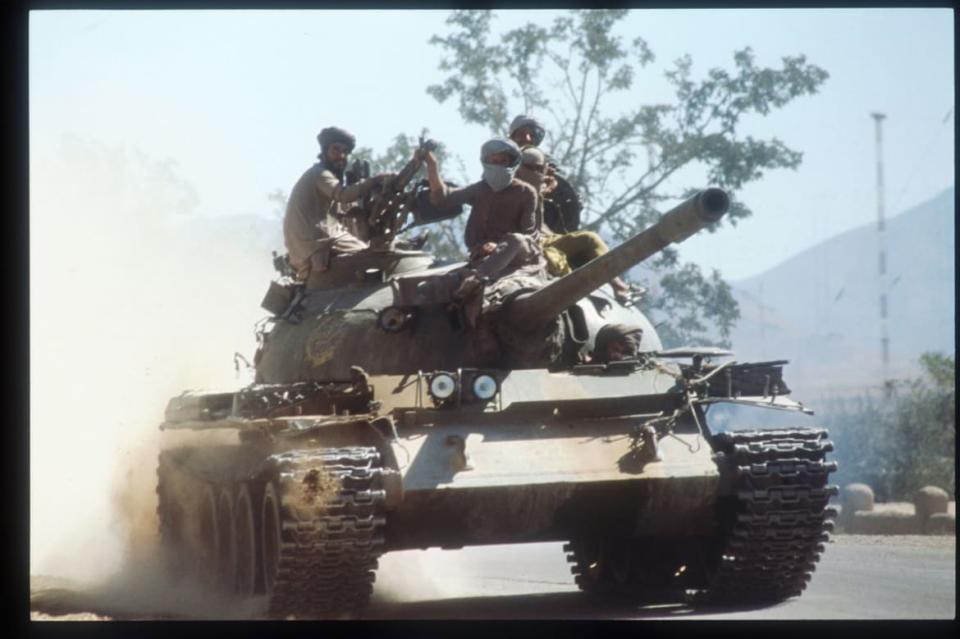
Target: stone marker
{"type": "Point", "coordinates": [941, 524]}
{"type": "Point", "coordinates": [928, 501]}
{"type": "Point", "coordinates": [854, 498]}
{"type": "Point", "coordinates": [857, 497]}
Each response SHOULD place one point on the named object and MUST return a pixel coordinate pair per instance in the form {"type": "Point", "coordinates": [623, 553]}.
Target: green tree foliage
{"type": "Point", "coordinates": [572, 74]}
{"type": "Point", "coordinates": [902, 443]}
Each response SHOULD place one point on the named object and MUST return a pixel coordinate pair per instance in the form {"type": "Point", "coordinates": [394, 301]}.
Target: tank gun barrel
{"type": "Point", "coordinates": [676, 225]}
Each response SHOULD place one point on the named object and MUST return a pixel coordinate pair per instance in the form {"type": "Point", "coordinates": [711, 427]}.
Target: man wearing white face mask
{"type": "Point", "coordinates": [501, 232]}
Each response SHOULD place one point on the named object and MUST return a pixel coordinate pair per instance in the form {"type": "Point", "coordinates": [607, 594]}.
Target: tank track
{"type": "Point", "coordinates": [168, 515]}
{"type": "Point", "coordinates": [772, 529]}
{"type": "Point", "coordinates": [328, 550]}
{"type": "Point", "coordinates": [780, 519]}
{"type": "Point", "coordinates": [608, 570]}
{"type": "Point", "coordinates": [578, 556]}
{"type": "Point", "coordinates": [330, 504]}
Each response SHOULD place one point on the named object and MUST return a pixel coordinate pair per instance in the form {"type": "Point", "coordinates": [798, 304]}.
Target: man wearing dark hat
{"type": "Point", "coordinates": [501, 230]}
{"type": "Point", "coordinates": [563, 214]}
{"type": "Point", "coordinates": [313, 228]}
{"type": "Point", "coordinates": [563, 251]}
{"type": "Point", "coordinates": [526, 131]}
{"type": "Point", "coordinates": [617, 342]}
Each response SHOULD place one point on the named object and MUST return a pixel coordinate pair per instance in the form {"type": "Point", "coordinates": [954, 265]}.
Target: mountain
{"type": "Point", "coordinates": [821, 308]}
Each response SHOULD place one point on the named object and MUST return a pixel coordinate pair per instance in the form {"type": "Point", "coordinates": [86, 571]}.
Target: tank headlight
{"type": "Point", "coordinates": [442, 386]}
{"type": "Point", "coordinates": [484, 387]}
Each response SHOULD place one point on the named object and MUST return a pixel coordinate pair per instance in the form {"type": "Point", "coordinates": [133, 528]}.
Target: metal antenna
{"type": "Point", "coordinates": [882, 259]}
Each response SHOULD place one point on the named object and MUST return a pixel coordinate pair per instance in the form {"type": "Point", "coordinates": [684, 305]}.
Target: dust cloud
{"type": "Point", "coordinates": [410, 575]}
{"type": "Point", "coordinates": [134, 298]}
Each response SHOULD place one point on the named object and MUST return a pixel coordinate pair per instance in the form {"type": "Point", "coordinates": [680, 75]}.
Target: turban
{"type": "Point", "coordinates": [532, 156]}
{"type": "Point", "coordinates": [333, 134]}
{"type": "Point", "coordinates": [500, 145]}
{"type": "Point", "coordinates": [526, 122]}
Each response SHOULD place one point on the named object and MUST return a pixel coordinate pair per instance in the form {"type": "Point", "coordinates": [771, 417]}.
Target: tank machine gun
{"type": "Point", "coordinates": [389, 205]}
{"type": "Point", "coordinates": [380, 422]}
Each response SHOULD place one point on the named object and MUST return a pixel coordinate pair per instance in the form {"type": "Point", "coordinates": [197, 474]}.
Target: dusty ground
{"type": "Point", "coordinates": [52, 599]}
{"type": "Point", "coordinates": [81, 616]}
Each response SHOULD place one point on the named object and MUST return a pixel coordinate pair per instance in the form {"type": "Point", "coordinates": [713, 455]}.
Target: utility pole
{"type": "Point", "coordinates": [882, 259]}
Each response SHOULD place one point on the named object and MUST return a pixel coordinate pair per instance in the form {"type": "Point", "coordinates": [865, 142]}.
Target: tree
{"type": "Point", "coordinates": [924, 426]}
{"type": "Point", "coordinates": [574, 70]}
{"type": "Point", "coordinates": [903, 443]}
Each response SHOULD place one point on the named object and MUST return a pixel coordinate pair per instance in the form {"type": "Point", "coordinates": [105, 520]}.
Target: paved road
{"type": "Point", "coordinates": [859, 577]}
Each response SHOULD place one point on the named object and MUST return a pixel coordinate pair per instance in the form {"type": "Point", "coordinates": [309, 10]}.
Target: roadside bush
{"type": "Point", "coordinates": [901, 442]}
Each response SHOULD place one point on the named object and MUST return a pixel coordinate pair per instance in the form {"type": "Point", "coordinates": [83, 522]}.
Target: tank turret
{"type": "Point", "coordinates": [390, 322]}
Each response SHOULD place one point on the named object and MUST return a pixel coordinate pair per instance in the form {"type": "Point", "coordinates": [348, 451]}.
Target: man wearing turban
{"type": "Point", "coordinates": [561, 210]}
{"type": "Point", "coordinates": [563, 251]}
{"type": "Point", "coordinates": [501, 232]}
{"type": "Point", "coordinates": [313, 226]}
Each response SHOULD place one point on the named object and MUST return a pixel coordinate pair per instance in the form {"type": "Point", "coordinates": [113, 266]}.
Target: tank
{"type": "Point", "coordinates": [387, 416]}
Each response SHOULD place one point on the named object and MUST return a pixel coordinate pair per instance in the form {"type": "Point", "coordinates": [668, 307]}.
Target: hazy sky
{"type": "Point", "coordinates": [235, 99]}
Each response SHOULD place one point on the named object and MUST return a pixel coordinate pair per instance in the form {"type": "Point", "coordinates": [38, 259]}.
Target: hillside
{"type": "Point", "coordinates": [820, 308]}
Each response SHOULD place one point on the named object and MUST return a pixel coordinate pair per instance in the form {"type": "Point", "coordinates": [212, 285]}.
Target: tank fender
{"type": "Point", "coordinates": [377, 433]}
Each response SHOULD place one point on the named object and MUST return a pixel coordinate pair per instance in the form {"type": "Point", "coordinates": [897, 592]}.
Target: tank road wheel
{"type": "Point", "coordinates": [227, 542]}
{"type": "Point", "coordinates": [208, 537]}
{"type": "Point", "coordinates": [597, 567]}
{"type": "Point", "coordinates": [244, 521]}
{"type": "Point", "coordinates": [270, 537]}
{"type": "Point", "coordinates": [641, 570]}
{"type": "Point", "coordinates": [170, 516]}
{"type": "Point", "coordinates": [776, 523]}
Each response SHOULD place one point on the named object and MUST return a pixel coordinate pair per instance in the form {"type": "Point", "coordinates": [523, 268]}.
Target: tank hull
{"type": "Point", "coordinates": [525, 482]}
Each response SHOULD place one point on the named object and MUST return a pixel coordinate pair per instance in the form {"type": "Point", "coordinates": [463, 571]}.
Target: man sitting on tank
{"type": "Point", "coordinates": [528, 132]}
{"type": "Point", "coordinates": [313, 226]}
{"type": "Point", "coordinates": [501, 232]}
{"type": "Point", "coordinates": [563, 251]}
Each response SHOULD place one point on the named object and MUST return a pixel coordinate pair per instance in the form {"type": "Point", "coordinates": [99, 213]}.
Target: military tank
{"type": "Point", "coordinates": [386, 416]}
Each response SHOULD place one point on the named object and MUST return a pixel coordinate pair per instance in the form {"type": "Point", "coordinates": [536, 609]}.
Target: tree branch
{"type": "Point", "coordinates": [581, 177]}
{"type": "Point", "coordinates": [641, 193]}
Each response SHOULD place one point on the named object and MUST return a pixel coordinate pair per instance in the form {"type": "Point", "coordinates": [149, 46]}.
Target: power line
{"type": "Point", "coordinates": [923, 156]}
